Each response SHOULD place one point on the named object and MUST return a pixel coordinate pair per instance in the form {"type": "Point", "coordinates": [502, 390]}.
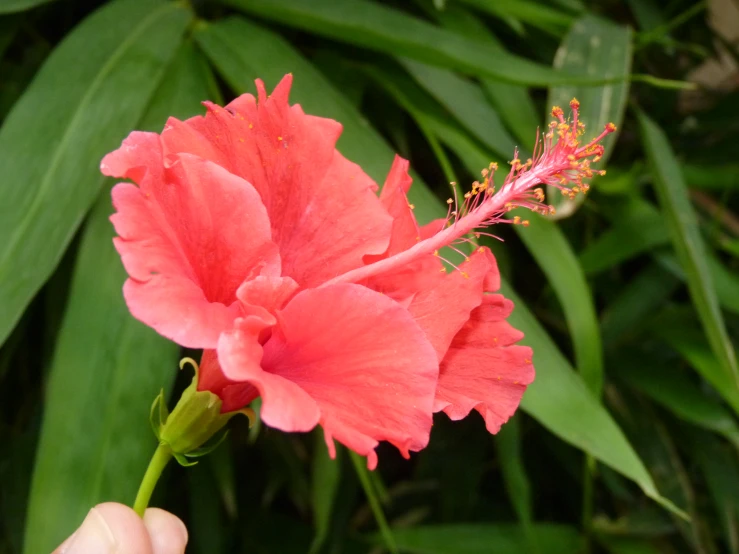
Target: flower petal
{"type": "Point", "coordinates": [324, 213]}
{"type": "Point", "coordinates": [483, 368]}
{"type": "Point", "coordinates": [350, 358]}
{"type": "Point", "coordinates": [443, 308]}
{"type": "Point", "coordinates": [189, 235]}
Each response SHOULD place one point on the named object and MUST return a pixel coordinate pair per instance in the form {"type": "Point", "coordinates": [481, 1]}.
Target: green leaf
{"type": "Point", "coordinates": [52, 141]}
{"type": "Point", "coordinates": [107, 367]}
{"type": "Point", "coordinates": [691, 252]}
{"type": "Point", "coordinates": [360, 466]}
{"type": "Point", "coordinates": [324, 487]}
{"type": "Point", "coordinates": [513, 102]}
{"type": "Point", "coordinates": [638, 227]}
{"type": "Point", "coordinates": [597, 48]}
{"type": "Point", "coordinates": [677, 328]}
{"type": "Point", "coordinates": [485, 539]}
{"type": "Point", "coordinates": [673, 390]}
{"type": "Point", "coordinates": [377, 27]}
{"type": "Point", "coordinates": [538, 15]}
{"type": "Point", "coordinates": [508, 445]}
{"type": "Point", "coordinates": [637, 300]}
{"type": "Point", "coordinates": [12, 6]}
{"type": "Point", "coordinates": [549, 247]}
{"type": "Point", "coordinates": [558, 398]}
{"type": "Point", "coordinates": [718, 464]}
{"type": "Point", "coordinates": [466, 102]}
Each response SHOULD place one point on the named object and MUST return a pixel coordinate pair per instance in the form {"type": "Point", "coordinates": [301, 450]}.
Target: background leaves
{"type": "Point", "coordinates": [629, 301]}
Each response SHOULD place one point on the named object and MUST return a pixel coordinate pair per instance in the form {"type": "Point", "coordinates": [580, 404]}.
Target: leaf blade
{"type": "Point", "coordinates": [54, 137]}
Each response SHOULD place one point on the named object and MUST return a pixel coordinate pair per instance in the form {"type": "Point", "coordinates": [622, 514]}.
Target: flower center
{"type": "Point", "coordinates": [561, 163]}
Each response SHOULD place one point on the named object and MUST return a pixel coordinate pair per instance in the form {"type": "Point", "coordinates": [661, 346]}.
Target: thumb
{"type": "Point", "coordinates": [109, 529]}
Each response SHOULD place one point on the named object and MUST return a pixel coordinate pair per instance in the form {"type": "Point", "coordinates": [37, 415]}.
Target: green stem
{"type": "Point", "coordinates": [158, 462]}
{"type": "Point", "coordinates": [374, 502]}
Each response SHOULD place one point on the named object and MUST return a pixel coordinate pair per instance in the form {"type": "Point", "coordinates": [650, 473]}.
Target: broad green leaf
{"type": "Point", "coordinates": [538, 15]}
{"type": "Point", "coordinates": [691, 252]}
{"type": "Point", "coordinates": [725, 282]}
{"type": "Point", "coordinates": [510, 456]}
{"type": "Point", "coordinates": [558, 398]}
{"type": "Point", "coordinates": [549, 247]}
{"type": "Point", "coordinates": [12, 6]}
{"type": "Point", "coordinates": [639, 228]}
{"type": "Point", "coordinates": [467, 103]}
{"type": "Point", "coordinates": [637, 300]}
{"type": "Point", "coordinates": [597, 48]}
{"type": "Point", "coordinates": [677, 393]}
{"type": "Point", "coordinates": [636, 229]}
{"type": "Point", "coordinates": [324, 486]}
{"type": "Point", "coordinates": [377, 27]}
{"type": "Point", "coordinates": [678, 329]}
{"type": "Point", "coordinates": [513, 102]}
{"type": "Point", "coordinates": [712, 177]}
{"type": "Point", "coordinates": [626, 545]}
{"type": "Point", "coordinates": [485, 539]}
{"type": "Point", "coordinates": [52, 141]}
{"type": "Point", "coordinates": [718, 464]}
{"type": "Point", "coordinates": [107, 367]}
{"type": "Point", "coordinates": [658, 449]}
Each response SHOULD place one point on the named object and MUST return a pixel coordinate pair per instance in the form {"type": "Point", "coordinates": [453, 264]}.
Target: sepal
{"type": "Point", "coordinates": [196, 426]}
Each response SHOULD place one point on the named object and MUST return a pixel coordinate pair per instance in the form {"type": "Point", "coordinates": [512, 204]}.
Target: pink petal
{"type": "Point", "coordinates": [324, 213]}
{"type": "Point", "coordinates": [403, 284]}
{"type": "Point", "coordinates": [483, 368]}
{"type": "Point", "coordinates": [348, 357]}
{"type": "Point", "coordinates": [189, 235]}
{"type": "Point", "coordinates": [443, 308]}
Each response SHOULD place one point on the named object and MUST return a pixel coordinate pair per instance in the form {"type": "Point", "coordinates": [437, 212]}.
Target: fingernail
{"type": "Point", "coordinates": [93, 537]}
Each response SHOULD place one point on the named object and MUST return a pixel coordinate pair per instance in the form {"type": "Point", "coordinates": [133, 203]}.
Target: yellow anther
{"type": "Point", "coordinates": [279, 138]}
{"type": "Point", "coordinates": [610, 127]}
{"type": "Point", "coordinates": [465, 275]}
{"type": "Point", "coordinates": [575, 104]}
{"type": "Point", "coordinates": [557, 112]}
{"type": "Point", "coordinates": [449, 201]}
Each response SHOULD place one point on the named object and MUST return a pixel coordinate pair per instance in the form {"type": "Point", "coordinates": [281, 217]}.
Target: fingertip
{"type": "Point", "coordinates": [168, 533]}
{"type": "Point", "coordinates": [109, 528]}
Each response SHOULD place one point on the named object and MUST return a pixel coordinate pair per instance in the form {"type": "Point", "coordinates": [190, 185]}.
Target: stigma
{"type": "Point", "coordinates": [560, 159]}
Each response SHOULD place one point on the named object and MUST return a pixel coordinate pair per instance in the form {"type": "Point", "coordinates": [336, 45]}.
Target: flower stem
{"type": "Point", "coordinates": [158, 462]}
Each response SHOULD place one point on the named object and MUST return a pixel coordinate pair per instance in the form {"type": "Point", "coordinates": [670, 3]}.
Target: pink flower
{"type": "Point", "coordinates": [250, 236]}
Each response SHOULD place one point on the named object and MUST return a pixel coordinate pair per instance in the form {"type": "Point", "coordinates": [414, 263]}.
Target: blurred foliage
{"type": "Point", "coordinates": [630, 298]}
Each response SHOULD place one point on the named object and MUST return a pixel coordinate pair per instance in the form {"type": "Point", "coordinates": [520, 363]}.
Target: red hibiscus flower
{"type": "Point", "coordinates": [250, 236]}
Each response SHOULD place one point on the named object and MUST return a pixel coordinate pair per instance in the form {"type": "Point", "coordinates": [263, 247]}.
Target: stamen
{"type": "Point", "coordinates": [561, 163]}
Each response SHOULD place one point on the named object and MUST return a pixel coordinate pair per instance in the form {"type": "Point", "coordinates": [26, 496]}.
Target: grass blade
{"type": "Point", "coordinates": [691, 252]}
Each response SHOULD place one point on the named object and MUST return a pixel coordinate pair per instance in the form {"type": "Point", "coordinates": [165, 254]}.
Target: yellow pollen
{"type": "Point", "coordinates": [611, 127]}
{"type": "Point", "coordinates": [449, 201]}
{"type": "Point", "coordinates": [251, 125]}
{"type": "Point", "coordinates": [465, 275]}
{"type": "Point", "coordinates": [575, 104]}
{"type": "Point", "coordinates": [279, 138]}
{"type": "Point", "coordinates": [411, 206]}
{"type": "Point", "coordinates": [525, 223]}
{"type": "Point", "coordinates": [241, 140]}
{"type": "Point", "coordinates": [557, 111]}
